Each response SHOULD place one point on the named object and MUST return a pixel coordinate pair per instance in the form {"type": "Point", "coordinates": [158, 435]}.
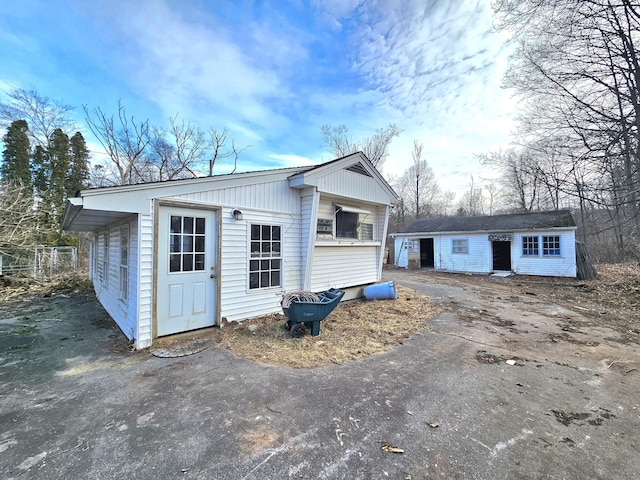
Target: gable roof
{"type": "Point", "coordinates": [354, 162]}
{"type": "Point", "coordinates": [97, 207]}
{"type": "Point", "coordinates": [493, 223]}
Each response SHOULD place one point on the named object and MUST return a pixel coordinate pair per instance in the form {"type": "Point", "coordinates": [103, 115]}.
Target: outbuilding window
{"type": "Point", "coordinates": [551, 245]}
{"type": "Point", "coordinates": [530, 246]}
{"type": "Point", "coordinates": [265, 264]}
{"type": "Point", "coordinates": [460, 245]}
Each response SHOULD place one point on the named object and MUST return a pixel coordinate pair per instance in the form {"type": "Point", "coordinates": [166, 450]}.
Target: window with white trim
{"type": "Point", "coordinates": [265, 264]}
{"type": "Point", "coordinates": [124, 263]}
{"type": "Point", "coordinates": [530, 246]}
{"type": "Point", "coordinates": [551, 245]}
{"type": "Point", "coordinates": [460, 245]}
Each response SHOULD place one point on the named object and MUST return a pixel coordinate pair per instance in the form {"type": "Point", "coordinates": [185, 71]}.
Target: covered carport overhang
{"type": "Point", "coordinates": [78, 218]}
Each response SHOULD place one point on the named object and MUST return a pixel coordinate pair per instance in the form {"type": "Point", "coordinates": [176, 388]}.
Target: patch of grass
{"type": "Point", "coordinates": [353, 330]}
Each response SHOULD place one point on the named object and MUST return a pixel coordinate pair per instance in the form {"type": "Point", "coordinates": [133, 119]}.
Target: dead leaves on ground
{"type": "Point", "coordinates": [353, 330]}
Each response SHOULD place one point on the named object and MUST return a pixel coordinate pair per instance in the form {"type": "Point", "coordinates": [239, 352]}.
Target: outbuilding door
{"type": "Point", "coordinates": [427, 259]}
{"type": "Point", "coordinates": [501, 255]}
{"type": "Point", "coordinates": [186, 261]}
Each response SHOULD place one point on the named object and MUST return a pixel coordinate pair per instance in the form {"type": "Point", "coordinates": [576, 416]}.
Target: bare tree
{"type": "Point", "coordinates": [177, 152]}
{"type": "Point", "coordinates": [375, 147]}
{"type": "Point", "coordinates": [218, 150]}
{"type": "Point", "coordinates": [418, 185]}
{"type": "Point", "coordinates": [42, 114]}
{"type": "Point", "coordinates": [21, 225]}
{"type": "Point", "coordinates": [577, 73]}
{"type": "Point", "coordinates": [472, 201]}
{"type": "Point", "coordinates": [124, 139]}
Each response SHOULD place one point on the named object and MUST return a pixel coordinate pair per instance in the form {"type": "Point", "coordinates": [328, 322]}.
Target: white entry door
{"type": "Point", "coordinates": [186, 292]}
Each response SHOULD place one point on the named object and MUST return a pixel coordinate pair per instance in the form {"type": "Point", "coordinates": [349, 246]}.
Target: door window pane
{"type": "Point", "coordinates": [200, 226]}
{"type": "Point", "coordinates": [187, 236]}
{"type": "Point", "coordinates": [187, 225]}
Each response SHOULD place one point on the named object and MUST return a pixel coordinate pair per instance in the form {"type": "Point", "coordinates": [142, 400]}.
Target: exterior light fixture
{"type": "Point", "coordinates": [237, 214]}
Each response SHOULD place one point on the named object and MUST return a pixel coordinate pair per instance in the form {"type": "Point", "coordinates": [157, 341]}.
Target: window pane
{"type": "Point", "coordinates": [199, 244]}
{"type": "Point", "coordinates": [275, 278]}
{"type": "Point", "coordinates": [266, 232]}
{"type": "Point", "coordinates": [199, 261]}
{"type": "Point", "coordinates": [264, 279]}
{"type": "Point", "coordinates": [200, 226]}
{"type": "Point", "coordinates": [176, 223]}
{"type": "Point", "coordinates": [174, 263]}
{"type": "Point", "coordinates": [254, 280]}
{"type": "Point", "coordinates": [254, 265]}
{"type": "Point", "coordinates": [187, 244]}
{"type": "Point", "coordinates": [346, 224]}
{"type": "Point", "coordinates": [175, 243]}
{"type": "Point", "coordinates": [266, 249]}
{"type": "Point", "coordinates": [187, 225]}
{"type": "Point", "coordinates": [187, 262]}
{"type": "Point", "coordinates": [275, 246]}
{"type": "Point", "coordinates": [275, 233]}
{"type": "Point", "coordinates": [264, 264]}
{"type": "Point", "coordinates": [255, 232]}
{"type": "Point", "coordinates": [275, 264]}
{"type": "Point", "coordinates": [255, 249]}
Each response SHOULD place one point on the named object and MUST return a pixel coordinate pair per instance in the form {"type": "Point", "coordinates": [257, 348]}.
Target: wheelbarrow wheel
{"type": "Point", "coordinates": [287, 325]}
{"type": "Point", "coordinates": [298, 330]}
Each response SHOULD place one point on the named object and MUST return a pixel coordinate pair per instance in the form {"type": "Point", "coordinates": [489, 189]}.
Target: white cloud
{"type": "Point", "coordinates": [287, 160]}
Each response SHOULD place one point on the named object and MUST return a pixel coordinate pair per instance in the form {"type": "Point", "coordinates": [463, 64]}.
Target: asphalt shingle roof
{"type": "Point", "coordinates": [498, 223]}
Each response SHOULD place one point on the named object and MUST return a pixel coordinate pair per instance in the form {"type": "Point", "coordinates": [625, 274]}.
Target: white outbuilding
{"type": "Point", "coordinates": [538, 243]}
{"type": "Point", "coordinates": [175, 256]}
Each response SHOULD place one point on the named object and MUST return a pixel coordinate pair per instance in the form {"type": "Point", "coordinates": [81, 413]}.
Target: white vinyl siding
{"type": "Point", "coordinates": [343, 266]}
{"type": "Point", "coordinates": [109, 290]}
{"type": "Point", "coordinates": [238, 301]}
{"type": "Point", "coordinates": [351, 185]}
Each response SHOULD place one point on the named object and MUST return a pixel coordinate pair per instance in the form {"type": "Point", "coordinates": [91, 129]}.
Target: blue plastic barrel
{"type": "Point", "coordinates": [380, 291]}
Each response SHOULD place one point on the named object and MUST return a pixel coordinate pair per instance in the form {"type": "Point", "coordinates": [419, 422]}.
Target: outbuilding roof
{"type": "Point", "coordinates": [492, 223]}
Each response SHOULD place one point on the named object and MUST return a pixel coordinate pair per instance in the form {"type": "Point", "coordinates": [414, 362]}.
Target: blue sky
{"type": "Point", "coordinates": [274, 72]}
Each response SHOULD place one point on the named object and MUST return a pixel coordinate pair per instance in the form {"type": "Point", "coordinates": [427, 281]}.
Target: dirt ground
{"type": "Point", "coordinates": [515, 378]}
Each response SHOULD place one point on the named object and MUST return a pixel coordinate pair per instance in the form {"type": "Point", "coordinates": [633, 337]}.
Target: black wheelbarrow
{"type": "Point", "coordinates": [303, 315]}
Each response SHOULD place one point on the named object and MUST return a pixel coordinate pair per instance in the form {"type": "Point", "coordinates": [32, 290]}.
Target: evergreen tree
{"type": "Point", "coordinates": [78, 175]}
{"type": "Point", "coordinates": [15, 157]}
{"type": "Point", "coordinates": [40, 167]}
{"type": "Point", "coordinates": [59, 162]}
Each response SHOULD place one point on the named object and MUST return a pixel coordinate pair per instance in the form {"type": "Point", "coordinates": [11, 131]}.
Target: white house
{"type": "Point", "coordinates": [174, 256]}
{"type": "Point", "coordinates": [540, 243]}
